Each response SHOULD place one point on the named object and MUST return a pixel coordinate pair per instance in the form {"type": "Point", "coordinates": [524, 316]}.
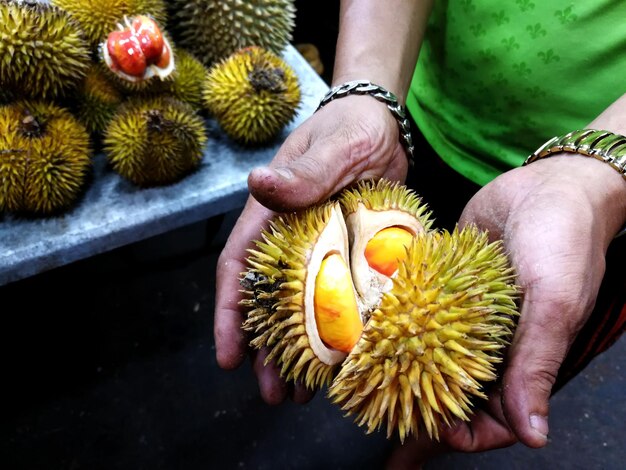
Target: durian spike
{"type": "Point", "coordinates": [440, 375]}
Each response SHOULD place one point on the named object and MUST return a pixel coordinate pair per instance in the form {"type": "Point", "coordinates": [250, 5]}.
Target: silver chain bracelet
{"type": "Point", "coordinates": [365, 87]}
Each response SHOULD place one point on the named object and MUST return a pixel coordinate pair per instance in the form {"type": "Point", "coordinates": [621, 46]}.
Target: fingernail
{"type": "Point", "coordinates": [285, 173]}
{"type": "Point", "coordinates": [539, 424]}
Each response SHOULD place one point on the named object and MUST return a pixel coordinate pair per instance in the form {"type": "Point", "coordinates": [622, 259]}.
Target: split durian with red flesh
{"type": "Point", "coordinates": [404, 323]}
{"type": "Point", "coordinates": [138, 52]}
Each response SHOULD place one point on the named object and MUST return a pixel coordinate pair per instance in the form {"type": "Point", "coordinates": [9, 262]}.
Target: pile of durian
{"type": "Point", "coordinates": [404, 324]}
{"type": "Point", "coordinates": [135, 80]}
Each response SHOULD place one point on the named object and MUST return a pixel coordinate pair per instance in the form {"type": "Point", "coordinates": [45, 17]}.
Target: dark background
{"type": "Point", "coordinates": [109, 363]}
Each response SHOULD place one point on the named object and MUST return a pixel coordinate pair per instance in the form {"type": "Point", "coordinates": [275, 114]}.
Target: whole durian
{"type": "Point", "coordinates": [97, 100]}
{"type": "Point", "coordinates": [43, 53]}
{"type": "Point", "coordinates": [44, 157]}
{"type": "Point", "coordinates": [403, 322]}
{"type": "Point", "coordinates": [214, 29]}
{"type": "Point", "coordinates": [97, 18]}
{"type": "Point", "coordinates": [154, 142]}
{"type": "Point", "coordinates": [188, 80]}
{"type": "Point", "coordinates": [253, 94]}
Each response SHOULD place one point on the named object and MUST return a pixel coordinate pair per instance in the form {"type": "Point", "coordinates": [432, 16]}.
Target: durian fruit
{"type": "Point", "coordinates": [44, 157]}
{"type": "Point", "coordinates": [138, 53]}
{"type": "Point", "coordinates": [187, 83]}
{"type": "Point", "coordinates": [437, 335]}
{"type": "Point", "coordinates": [253, 94]}
{"type": "Point", "coordinates": [404, 323]}
{"type": "Point", "coordinates": [155, 141]}
{"type": "Point", "coordinates": [98, 99]}
{"type": "Point", "coordinates": [97, 18]}
{"type": "Point", "coordinates": [304, 327]}
{"type": "Point", "coordinates": [43, 53]}
{"type": "Point", "coordinates": [214, 29]}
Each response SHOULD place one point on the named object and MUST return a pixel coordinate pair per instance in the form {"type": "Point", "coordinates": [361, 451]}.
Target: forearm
{"type": "Point", "coordinates": [380, 42]}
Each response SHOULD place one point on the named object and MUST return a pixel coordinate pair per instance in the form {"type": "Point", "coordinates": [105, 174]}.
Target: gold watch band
{"type": "Point", "coordinates": [602, 145]}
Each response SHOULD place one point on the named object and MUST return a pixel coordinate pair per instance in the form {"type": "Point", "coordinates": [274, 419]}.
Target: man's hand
{"type": "Point", "coordinates": [556, 218]}
{"type": "Point", "coordinates": [349, 139]}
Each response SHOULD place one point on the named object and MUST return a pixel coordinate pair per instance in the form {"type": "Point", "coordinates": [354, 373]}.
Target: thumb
{"type": "Point", "coordinates": [310, 169]}
{"type": "Point", "coordinates": [538, 349]}
{"type": "Point", "coordinates": [296, 182]}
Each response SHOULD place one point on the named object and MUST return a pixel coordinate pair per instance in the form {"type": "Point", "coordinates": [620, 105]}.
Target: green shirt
{"type": "Point", "coordinates": [496, 79]}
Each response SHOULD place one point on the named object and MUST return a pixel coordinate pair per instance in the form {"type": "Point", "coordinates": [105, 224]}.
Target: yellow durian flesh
{"type": "Point", "coordinates": [337, 315]}
{"type": "Point", "coordinates": [363, 225]}
{"type": "Point", "coordinates": [385, 250]}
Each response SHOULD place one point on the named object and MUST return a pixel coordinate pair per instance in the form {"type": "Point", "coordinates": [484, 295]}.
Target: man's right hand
{"type": "Point", "coordinates": [353, 138]}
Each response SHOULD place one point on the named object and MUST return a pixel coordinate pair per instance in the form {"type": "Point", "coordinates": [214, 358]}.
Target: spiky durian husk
{"type": "Point", "coordinates": [97, 18]}
{"type": "Point", "coordinates": [42, 51]}
{"type": "Point", "coordinates": [253, 94]}
{"type": "Point", "coordinates": [214, 29]}
{"type": "Point", "coordinates": [436, 336]}
{"type": "Point", "coordinates": [155, 141]}
{"type": "Point", "coordinates": [383, 195]}
{"type": "Point", "coordinates": [274, 291]}
{"type": "Point", "coordinates": [98, 100]}
{"type": "Point", "coordinates": [186, 83]}
{"type": "Point", "coordinates": [188, 79]}
{"type": "Point", "coordinates": [45, 153]}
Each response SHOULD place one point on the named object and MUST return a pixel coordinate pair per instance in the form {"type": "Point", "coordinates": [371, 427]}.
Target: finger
{"type": "Point", "coordinates": [486, 430]}
{"type": "Point", "coordinates": [273, 389]}
{"type": "Point", "coordinates": [230, 340]}
{"type": "Point", "coordinates": [537, 351]}
{"type": "Point", "coordinates": [414, 453]}
{"type": "Point", "coordinates": [300, 394]}
{"type": "Point", "coordinates": [296, 180]}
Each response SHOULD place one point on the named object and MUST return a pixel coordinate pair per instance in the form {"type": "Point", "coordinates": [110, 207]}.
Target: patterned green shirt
{"type": "Point", "coordinates": [496, 79]}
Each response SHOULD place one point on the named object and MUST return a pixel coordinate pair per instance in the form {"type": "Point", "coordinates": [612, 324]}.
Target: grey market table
{"type": "Point", "coordinates": [113, 212]}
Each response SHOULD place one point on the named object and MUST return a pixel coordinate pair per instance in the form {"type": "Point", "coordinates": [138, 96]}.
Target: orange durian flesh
{"type": "Point", "coordinates": [336, 311]}
{"type": "Point", "coordinates": [387, 249]}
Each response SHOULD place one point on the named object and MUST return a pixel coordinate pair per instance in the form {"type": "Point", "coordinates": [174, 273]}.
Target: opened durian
{"type": "Point", "coordinates": [290, 256]}
{"type": "Point", "coordinates": [404, 323]}
{"type": "Point", "coordinates": [44, 157]}
{"type": "Point", "coordinates": [154, 142]}
{"type": "Point", "coordinates": [138, 55]}
{"type": "Point", "coordinates": [253, 94]}
{"type": "Point", "coordinates": [214, 29]}
{"type": "Point", "coordinates": [43, 53]}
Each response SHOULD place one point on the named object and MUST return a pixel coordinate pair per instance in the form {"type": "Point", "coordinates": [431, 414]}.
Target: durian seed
{"type": "Point", "coordinates": [336, 312]}
{"type": "Point", "coordinates": [387, 249]}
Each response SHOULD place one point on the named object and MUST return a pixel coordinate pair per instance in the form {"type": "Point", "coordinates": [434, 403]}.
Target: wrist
{"type": "Point", "coordinates": [380, 43]}
{"type": "Point", "coordinates": [600, 184]}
